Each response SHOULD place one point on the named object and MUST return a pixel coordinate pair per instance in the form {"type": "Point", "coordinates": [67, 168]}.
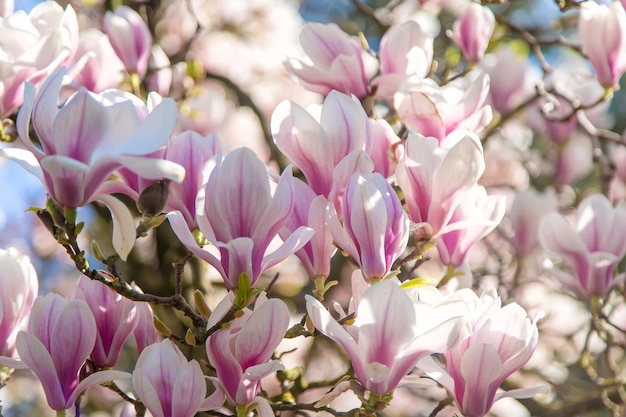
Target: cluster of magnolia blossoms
{"type": "Point", "coordinates": [368, 190]}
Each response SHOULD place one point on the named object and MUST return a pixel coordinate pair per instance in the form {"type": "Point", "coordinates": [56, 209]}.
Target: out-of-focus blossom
{"type": "Point", "coordinates": [161, 75]}
{"type": "Point", "coordinates": [61, 336]}
{"type": "Point", "coordinates": [375, 228]}
{"type": "Point", "coordinates": [475, 216]}
{"type": "Point", "coordinates": [242, 353]}
{"type": "Point", "coordinates": [311, 210]}
{"type": "Point", "coordinates": [6, 8]}
{"type": "Point", "coordinates": [116, 318]}
{"type": "Point", "coordinates": [472, 31]}
{"type": "Point", "coordinates": [503, 339]}
{"type": "Point", "coordinates": [434, 178]}
{"type": "Point", "coordinates": [527, 210]}
{"type": "Point", "coordinates": [436, 111]}
{"type": "Point", "coordinates": [602, 31]}
{"type": "Point", "coordinates": [18, 289]}
{"type": "Point", "coordinates": [508, 70]}
{"type": "Point", "coordinates": [337, 62]}
{"type": "Point", "coordinates": [96, 66]}
{"type": "Point", "coordinates": [240, 216]}
{"type": "Point", "coordinates": [145, 333]}
{"type": "Point", "coordinates": [390, 335]}
{"type": "Point", "coordinates": [317, 145]}
{"type": "Point", "coordinates": [32, 46]}
{"type": "Point", "coordinates": [130, 38]}
{"type": "Point", "coordinates": [591, 249]}
{"type": "Point", "coordinates": [574, 159]}
{"type": "Point", "coordinates": [169, 385]}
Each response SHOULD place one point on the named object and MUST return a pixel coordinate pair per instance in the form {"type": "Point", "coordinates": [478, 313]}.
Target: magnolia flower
{"type": "Point", "coordinates": [88, 138]}
{"type": "Point", "coordinates": [375, 228]}
{"type": "Point", "coordinates": [591, 249]}
{"type": "Point", "coordinates": [337, 61]}
{"type": "Point", "coordinates": [169, 385]}
{"type": "Point", "coordinates": [33, 45]}
{"type": "Point", "coordinates": [242, 353]}
{"type": "Point", "coordinates": [433, 178]}
{"type": "Point", "coordinates": [240, 216]}
{"type": "Point", "coordinates": [503, 339]}
{"type": "Point", "coordinates": [318, 145]}
{"type": "Point", "coordinates": [130, 38]}
{"type": "Point", "coordinates": [602, 31]}
{"type": "Point", "coordinates": [405, 51]}
{"type": "Point", "coordinates": [116, 318]}
{"type": "Point", "coordinates": [472, 31]}
{"type": "Point", "coordinates": [391, 333]}
{"type": "Point", "coordinates": [61, 336]}
{"type": "Point", "coordinates": [437, 111]}
{"type": "Point", "coordinates": [527, 210]}
{"type": "Point", "coordinates": [18, 289]}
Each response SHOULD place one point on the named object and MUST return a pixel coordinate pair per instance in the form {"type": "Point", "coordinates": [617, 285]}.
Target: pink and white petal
{"type": "Point", "coordinates": [46, 107]}
{"type": "Point", "coordinates": [264, 409]}
{"type": "Point", "coordinates": [65, 180]}
{"type": "Point", "coordinates": [436, 372]}
{"type": "Point", "coordinates": [179, 226]}
{"type": "Point", "coordinates": [480, 367]}
{"type": "Point", "coordinates": [523, 392]}
{"type": "Point", "coordinates": [323, 321]}
{"type": "Point", "coordinates": [292, 244]}
{"type": "Point", "coordinates": [124, 234]}
{"type": "Point", "coordinates": [36, 357]}
{"type": "Point", "coordinates": [213, 401]}
{"type": "Point", "coordinates": [345, 123]}
{"type": "Point", "coordinates": [74, 338]}
{"type": "Point", "coordinates": [263, 331]}
{"type": "Point", "coordinates": [147, 393]}
{"type": "Point", "coordinates": [23, 117]}
{"type": "Point", "coordinates": [154, 132]}
{"type": "Point", "coordinates": [226, 365]}
{"type": "Point", "coordinates": [355, 162]}
{"type": "Point", "coordinates": [152, 168]}
{"type": "Point", "coordinates": [12, 363]}
{"type": "Point", "coordinates": [96, 378]}
{"type": "Point", "coordinates": [25, 159]}
{"type": "Point", "coordinates": [188, 391]}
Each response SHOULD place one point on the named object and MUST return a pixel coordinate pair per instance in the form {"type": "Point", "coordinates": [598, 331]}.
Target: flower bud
{"type": "Point", "coordinates": [152, 200]}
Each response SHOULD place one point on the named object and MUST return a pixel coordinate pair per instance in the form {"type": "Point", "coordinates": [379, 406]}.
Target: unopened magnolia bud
{"type": "Point", "coordinates": [190, 338]}
{"type": "Point", "coordinates": [97, 252]}
{"type": "Point", "coordinates": [46, 219]}
{"type": "Point", "coordinates": [161, 327]}
{"type": "Point", "coordinates": [201, 305]}
{"type": "Point", "coordinates": [152, 200]}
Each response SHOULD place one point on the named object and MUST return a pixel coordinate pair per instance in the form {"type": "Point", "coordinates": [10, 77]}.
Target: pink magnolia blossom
{"type": "Point", "coordinates": [130, 38]}
{"type": "Point", "coordinates": [61, 336]}
{"type": "Point", "coordinates": [472, 31]}
{"type": "Point", "coordinates": [591, 249]}
{"type": "Point", "coordinates": [240, 216]}
{"type": "Point", "coordinates": [391, 333]}
{"type": "Point", "coordinates": [602, 31]}
{"type": "Point", "coordinates": [436, 111]}
{"type": "Point", "coordinates": [503, 339]}
{"type": "Point", "coordinates": [89, 137]}
{"type": "Point", "coordinates": [375, 228]}
{"type": "Point", "coordinates": [310, 210]}
{"type": "Point", "coordinates": [475, 216]}
{"type": "Point", "coordinates": [337, 62]}
{"type": "Point", "coordinates": [242, 353]}
{"type": "Point", "coordinates": [96, 66]}
{"type": "Point", "coordinates": [405, 51]}
{"type": "Point", "coordinates": [145, 333]}
{"type": "Point", "coordinates": [169, 385]}
{"type": "Point", "coordinates": [18, 289]}
{"type": "Point", "coordinates": [509, 77]}
{"type": "Point", "coordinates": [317, 145]}
{"type": "Point", "coordinates": [116, 318]}
{"type": "Point", "coordinates": [433, 178]}
{"type": "Point", "coordinates": [32, 46]}
{"type": "Point", "coordinates": [379, 146]}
